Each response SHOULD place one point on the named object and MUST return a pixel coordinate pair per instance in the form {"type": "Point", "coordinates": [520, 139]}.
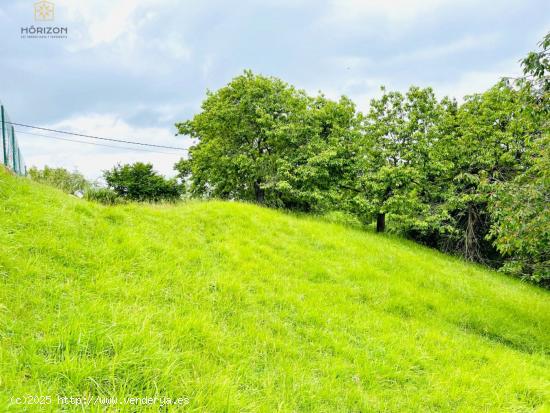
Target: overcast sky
{"type": "Point", "coordinates": [132, 68]}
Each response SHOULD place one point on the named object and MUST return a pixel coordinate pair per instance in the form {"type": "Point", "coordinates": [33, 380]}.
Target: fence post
{"type": "Point", "coordinates": [13, 149]}
{"type": "Point", "coordinates": [16, 161]}
{"type": "Point", "coordinates": [4, 137]}
{"type": "Point", "coordinates": [16, 155]}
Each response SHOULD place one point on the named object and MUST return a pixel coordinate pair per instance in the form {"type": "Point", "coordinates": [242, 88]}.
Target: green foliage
{"type": "Point", "coordinates": [521, 210]}
{"type": "Point", "coordinates": [261, 140]}
{"type": "Point", "coordinates": [432, 165]}
{"type": "Point", "coordinates": [394, 155]}
{"type": "Point", "coordinates": [139, 182]}
{"type": "Point", "coordinates": [69, 182]}
{"type": "Point", "coordinates": [536, 67]}
{"type": "Point", "coordinates": [247, 309]}
{"type": "Point", "coordinates": [240, 139]}
{"type": "Point", "coordinates": [484, 143]}
{"type": "Point", "coordinates": [105, 196]}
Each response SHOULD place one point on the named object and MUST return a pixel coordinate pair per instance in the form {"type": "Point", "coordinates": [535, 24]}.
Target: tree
{"type": "Point", "coordinates": [240, 133]}
{"type": "Point", "coordinates": [393, 158]}
{"type": "Point", "coordinates": [521, 212]}
{"type": "Point", "coordinates": [485, 145]}
{"type": "Point", "coordinates": [261, 140]}
{"type": "Point", "coordinates": [139, 182]}
{"type": "Point", "coordinates": [314, 176]}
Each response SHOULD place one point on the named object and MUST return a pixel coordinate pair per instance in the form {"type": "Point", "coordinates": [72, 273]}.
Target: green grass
{"type": "Point", "coordinates": [241, 308]}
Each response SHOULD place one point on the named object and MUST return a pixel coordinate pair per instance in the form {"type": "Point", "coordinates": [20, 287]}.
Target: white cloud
{"type": "Point", "coordinates": [362, 91]}
{"type": "Point", "coordinates": [113, 24]}
{"type": "Point", "coordinates": [118, 22]}
{"type": "Point", "coordinates": [99, 21]}
{"type": "Point", "coordinates": [127, 34]}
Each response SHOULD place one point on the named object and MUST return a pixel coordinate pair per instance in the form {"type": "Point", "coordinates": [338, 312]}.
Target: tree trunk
{"type": "Point", "coordinates": [471, 247]}
{"type": "Point", "coordinates": [259, 192]}
{"type": "Point", "coordinates": [380, 222]}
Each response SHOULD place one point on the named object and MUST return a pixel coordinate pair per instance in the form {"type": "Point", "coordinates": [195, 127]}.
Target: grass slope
{"type": "Point", "coordinates": [241, 308]}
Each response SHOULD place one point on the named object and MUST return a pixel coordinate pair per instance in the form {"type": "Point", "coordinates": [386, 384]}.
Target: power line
{"type": "Point", "coordinates": [93, 143]}
{"type": "Point", "coordinates": [97, 137]}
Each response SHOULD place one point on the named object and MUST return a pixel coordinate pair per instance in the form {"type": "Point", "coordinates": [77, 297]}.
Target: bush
{"type": "Point", "coordinates": [61, 178]}
{"type": "Point", "coordinates": [103, 195]}
{"type": "Point", "coordinates": [139, 182]}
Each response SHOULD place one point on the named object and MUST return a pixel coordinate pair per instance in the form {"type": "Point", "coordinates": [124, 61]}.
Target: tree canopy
{"type": "Point", "coordinates": [261, 140]}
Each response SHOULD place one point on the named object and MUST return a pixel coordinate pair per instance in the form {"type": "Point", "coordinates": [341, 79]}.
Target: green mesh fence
{"type": "Point", "coordinates": [11, 154]}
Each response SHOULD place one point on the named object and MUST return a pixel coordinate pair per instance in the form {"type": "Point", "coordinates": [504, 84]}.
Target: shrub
{"type": "Point", "coordinates": [139, 182]}
{"type": "Point", "coordinates": [103, 195]}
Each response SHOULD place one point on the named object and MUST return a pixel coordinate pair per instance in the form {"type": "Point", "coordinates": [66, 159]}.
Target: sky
{"type": "Point", "coordinates": [131, 69]}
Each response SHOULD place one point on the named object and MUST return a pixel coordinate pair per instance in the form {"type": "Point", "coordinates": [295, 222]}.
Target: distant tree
{"type": "Point", "coordinates": [61, 178]}
{"type": "Point", "coordinates": [139, 182]}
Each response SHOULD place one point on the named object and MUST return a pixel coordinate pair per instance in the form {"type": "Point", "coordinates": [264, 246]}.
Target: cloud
{"type": "Point", "coordinates": [207, 65]}
{"type": "Point", "coordinates": [113, 24]}
{"type": "Point", "coordinates": [99, 22]}
{"type": "Point", "coordinates": [126, 36]}
{"type": "Point", "coordinates": [119, 22]}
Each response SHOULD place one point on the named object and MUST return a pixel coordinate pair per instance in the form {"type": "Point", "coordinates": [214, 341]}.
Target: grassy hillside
{"type": "Point", "coordinates": [240, 308]}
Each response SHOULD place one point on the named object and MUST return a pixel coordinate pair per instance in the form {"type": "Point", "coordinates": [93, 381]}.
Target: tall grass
{"type": "Point", "coordinates": [241, 308]}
